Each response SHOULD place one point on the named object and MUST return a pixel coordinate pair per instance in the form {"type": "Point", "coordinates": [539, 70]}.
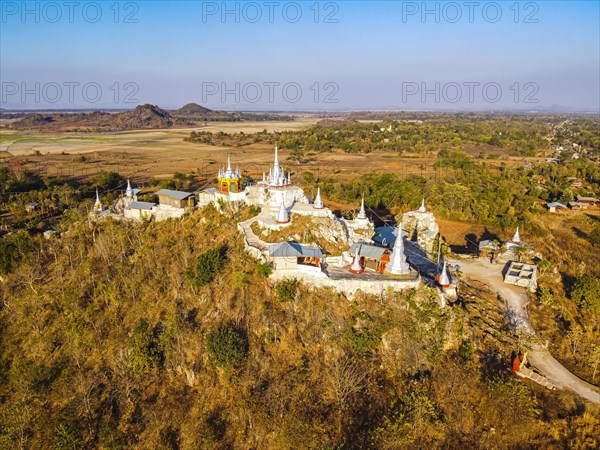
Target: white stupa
{"type": "Point", "coordinates": [318, 203]}
{"type": "Point", "coordinates": [129, 190]}
{"type": "Point", "coordinates": [516, 237]}
{"type": "Point", "coordinates": [282, 215]}
{"type": "Point", "coordinates": [444, 280]}
{"type": "Point", "coordinates": [98, 206]}
{"type": "Point", "coordinates": [356, 267]}
{"type": "Point", "coordinates": [398, 264]}
{"type": "Point", "coordinates": [422, 209]}
{"type": "Point", "coordinates": [362, 214]}
{"type": "Point", "coordinates": [277, 176]}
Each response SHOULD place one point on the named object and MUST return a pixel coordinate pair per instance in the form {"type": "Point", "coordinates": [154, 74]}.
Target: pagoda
{"type": "Point", "coordinates": [277, 176]}
{"type": "Point", "coordinates": [443, 279]}
{"type": "Point", "coordinates": [98, 206]}
{"type": "Point", "coordinates": [398, 264]}
{"type": "Point", "coordinates": [318, 203]}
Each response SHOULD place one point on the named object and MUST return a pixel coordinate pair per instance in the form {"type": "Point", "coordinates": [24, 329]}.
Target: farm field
{"type": "Point", "coordinates": [143, 154]}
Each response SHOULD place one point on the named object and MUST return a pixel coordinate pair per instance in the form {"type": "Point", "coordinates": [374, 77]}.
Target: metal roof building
{"type": "Point", "coordinates": [292, 249]}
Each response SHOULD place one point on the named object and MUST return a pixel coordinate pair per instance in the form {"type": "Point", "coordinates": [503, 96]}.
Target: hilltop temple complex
{"type": "Point", "coordinates": [358, 257]}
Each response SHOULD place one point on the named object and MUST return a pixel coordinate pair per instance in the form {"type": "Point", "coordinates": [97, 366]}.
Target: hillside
{"type": "Point", "coordinates": [107, 339]}
{"type": "Point", "coordinates": [142, 117]}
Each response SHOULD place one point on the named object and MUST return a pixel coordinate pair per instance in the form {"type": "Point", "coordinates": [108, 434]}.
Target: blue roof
{"type": "Point", "coordinates": [293, 249]}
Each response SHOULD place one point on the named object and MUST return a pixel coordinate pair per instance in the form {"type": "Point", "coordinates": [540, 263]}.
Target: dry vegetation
{"type": "Point", "coordinates": [105, 346]}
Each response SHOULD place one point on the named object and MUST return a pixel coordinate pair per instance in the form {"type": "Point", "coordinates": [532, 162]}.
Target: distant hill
{"type": "Point", "coordinates": [142, 117]}
{"type": "Point", "coordinates": [193, 110]}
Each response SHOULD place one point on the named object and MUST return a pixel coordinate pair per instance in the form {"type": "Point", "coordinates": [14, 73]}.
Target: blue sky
{"type": "Point", "coordinates": [374, 55]}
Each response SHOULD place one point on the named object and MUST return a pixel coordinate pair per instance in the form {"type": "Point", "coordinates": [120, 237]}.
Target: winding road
{"type": "Point", "coordinates": [516, 303]}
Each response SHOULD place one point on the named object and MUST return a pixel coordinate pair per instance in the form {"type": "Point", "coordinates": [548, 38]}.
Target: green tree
{"type": "Point", "coordinates": [143, 350]}
{"type": "Point", "coordinates": [227, 346]}
{"type": "Point", "coordinates": [586, 294]}
{"type": "Point", "coordinates": [66, 437]}
{"type": "Point", "coordinates": [108, 180]}
{"type": "Point", "coordinates": [286, 290]}
{"type": "Point", "coordinates": [206, 267]}
{"type": "Point", "coordinates": [594, 236]}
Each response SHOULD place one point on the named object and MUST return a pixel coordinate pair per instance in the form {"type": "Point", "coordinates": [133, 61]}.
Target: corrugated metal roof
{"type": "Point", "coordinates": [367, 250]}
{"type": "Point", "coordinates": [286, 249]}
{"type": "Point", "coordinates": [177, 195]}
{"type": "Point", "coordinates": [140, 205]}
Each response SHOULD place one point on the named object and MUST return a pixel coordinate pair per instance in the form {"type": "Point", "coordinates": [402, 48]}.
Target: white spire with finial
{"type": "Point", "coordinates": [282, 215]}
{"type": "Point", "coordinates": [398, 264]}
{"type": "Point", "coordinates": [264, 180]}
{"type": "Point", "coordinates": [422, 209]}
{"type": "Point", "coordinates": [276, 161]}
{"type": "Point", "coordinates": [516, 238]}
{"type": "Point", "coordinates": [318, 203]}
{"type": "Point", "coordinates": [129, 190]}
{"type": "Point", "coordinates": [444, 279]}
{"type": "Point", "coordinates": [362, 214]}
{"type": "Point", "coordinates": [289, 178]}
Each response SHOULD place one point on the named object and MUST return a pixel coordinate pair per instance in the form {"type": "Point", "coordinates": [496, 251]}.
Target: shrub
{"type": "Point", "coordinates": [108, 180]}
{"type": "Point", "coordinates": [255, 210]}
{"type": "Point", "coordinates": [206, 267]}
{"type": "Point", "coordinates": [594, 236]}
{"type": "Point", "coordinates": [264, 269]}
{"type": "Point", "coordinates": [66, 437]}
{"type": "Point", "coordinates": [13, 250]}
{"type": "Point", "coordinates": [143, 350]}
{"type": "Point", "coordinates": [227, 347]}
{"type": "Point", "coordinates": [586, 294]}
{"type": "Point", "coordinates": [286, 290]}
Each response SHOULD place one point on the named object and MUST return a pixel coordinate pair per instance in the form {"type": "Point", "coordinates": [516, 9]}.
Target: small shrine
{"type": "Point", "coordinates": [229, 180]}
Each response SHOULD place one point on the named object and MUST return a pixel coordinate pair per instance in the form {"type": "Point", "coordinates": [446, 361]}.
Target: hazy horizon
{"type": "Point", "coordinates": [327, 56]}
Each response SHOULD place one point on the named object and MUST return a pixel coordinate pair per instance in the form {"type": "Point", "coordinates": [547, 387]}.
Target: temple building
{"type": "Point", "coordinates": [293, 256]}
{"type": "Point", "coordinates": [229, 180]}
{"type": "Point", "coordinates": [368, 256]}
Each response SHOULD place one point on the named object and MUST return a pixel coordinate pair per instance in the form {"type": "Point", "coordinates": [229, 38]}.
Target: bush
{"type": "Point", "coordinates": [264, 269]}
{"type": "Point", "coordinates": [66, 437]}
{"type": "Point", "coordinates": [586, 294]}
{"type": "Point", "coordinates": [13, 250]}
{"type": "Point", "coordinates": [286, 290]}
{"type": "Point", "coordinates": [594, 236]}
{"type": "Point", "coordinates": [108, 180]}
{"type": "Point", "coordinates": [227, 347]}
{"type": "Point", "coordinates": [255, 210]}
{"type": "Point", "coordinates": [206, 267]}
{"type": "Point", "coordinates": [143, 356]}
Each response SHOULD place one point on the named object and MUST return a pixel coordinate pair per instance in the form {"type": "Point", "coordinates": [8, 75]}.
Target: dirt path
{"type": "Point", "coordinates": [518, 318]}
